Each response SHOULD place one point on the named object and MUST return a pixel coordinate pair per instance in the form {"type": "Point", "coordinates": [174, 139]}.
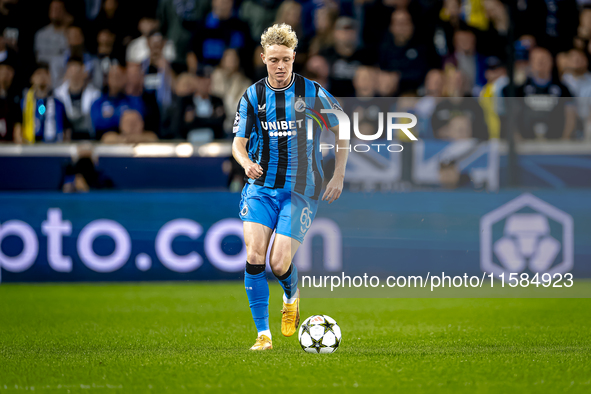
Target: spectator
{"type": "Point", "coordinates": [77, 95]}
{"type": "Point", "coordinates": [387, 83]}
{"type": "Point", "coordinates": [106, 111]}
{"type": "Point", "coordinates": [51, 41]}
{"type": "Point", "coordinates": [449, 21]}
{"type": "Point", "coordinates": [450, 176]}
{"type": "Point", "coordinates": [220, 30]}
{"type": "Point", "coordinates": [10, 109]}
{"type": "Point", "coordinates": [186, 84]}
{"type": "Point", "coordinates": [138, 50]}
{"type": "Point", "coordinates": [259, 69]}
{"type": "Point", "coordinates": [317, 69]}
{"type": "Point", "coordinates": [562, 60]}
{"type": "Point", "coordinates": [498, 16]}
{"type": "Point", "coordinates": [105, 43]}
{"type": "Point", "coordinates": [77, 50]}
{"type": "Point", "coordinates": [229, 83]}
{"type": "Point", "coordinates": [344, 57]}
{"type": "Point", "coordinates": [473, 14]}
{"type": "Point", "coordinates": [459, 118]}
{"type": "Point", "coordinates": [497, 79]}
{"type": "Point", "coordinates": [576, 76]}
{"type": "Point", "coordinates": [364, 82]}
{"type": "Point", "coordinates": [546, 117]}
{"type": "Point", "coordinates": [259, 15]}
{"type": "Point", "coordinates": [493, 42]}
{"type": "Point", "coordinates": [455, 83]}
{"type": "Point", "coordinates": [93, 8]}
{"type": "Point", "coordinates": [12, 21]}
{"type": "Point", "coordinates": [434, 83]}
{"type": "Point", "coordinates": [584, 29]}
{"type": "Point", "coordinates": [105, 52]}
{"type": "Point", "coordinates": [290, 13]}
{"type": "Point", "coordinates": [112, 17]}
{"type": "Point", "coordinates": [366, 107]}
{"type": "Point", "coordinates": [199, 118]}
{"type": "Point", "coordinates": [400, 52]}
{"type": "Point", "coordinates": [7, 54]}
{"type": "Point", "coordinates": [433, 91]}
{"type": "Point", "coordinates": [521, 68]}
{"type": "Point", "coordinates": [324, 24]}
{"type": "Point", "coordinates": [377, 16]}
{"type": "Point", "coordinates": [468, 61]}
{"type": "Point", "coordinates": [44, 116]}
{"type": "Point", "coordinates": [583, 103]}
{"type": "Point", "coordinates": [83, 175]}
{"type": "Point", "coordinates": [176, 18]}
{"type": "Point", "coordinates": [157, 72]}
{"type": "Point", "coordinates": [552, 22]}
{"type": "Point", "coordinates": [131, 130]}
{"type": "Point", "coordinates": [135, 88]}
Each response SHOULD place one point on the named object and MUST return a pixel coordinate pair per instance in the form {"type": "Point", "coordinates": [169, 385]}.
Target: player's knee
{"type": "Point", "coordinates": [279, 264]}
{"type": "Point", "coordinates": [256, 257]}
{"type": "Point", "coordinates": [276, 267]}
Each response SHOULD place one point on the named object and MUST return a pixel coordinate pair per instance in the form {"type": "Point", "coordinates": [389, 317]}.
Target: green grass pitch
{"type": "Point", "coordinates": [194, 337]}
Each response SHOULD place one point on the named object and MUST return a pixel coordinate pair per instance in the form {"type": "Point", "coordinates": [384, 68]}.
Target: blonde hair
{"type": "Point", "coordinates": [279, 35]}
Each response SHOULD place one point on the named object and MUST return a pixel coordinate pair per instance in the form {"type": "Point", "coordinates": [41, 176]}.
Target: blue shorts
{"type": "Point", "coordinates": [287, 212]}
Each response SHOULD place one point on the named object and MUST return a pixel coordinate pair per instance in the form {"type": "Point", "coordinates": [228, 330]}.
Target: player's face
{"type": "Point", "coordinates": [279, 60]}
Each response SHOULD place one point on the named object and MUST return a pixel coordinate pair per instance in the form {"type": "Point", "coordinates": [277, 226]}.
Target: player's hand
{"type": "Point", "coordinates": [333, 190]}
{"type": "Point", "coordinates": [253, 170]}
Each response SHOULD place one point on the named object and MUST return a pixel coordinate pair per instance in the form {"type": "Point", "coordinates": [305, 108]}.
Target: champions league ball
{"type": "Point", "coordinates": [320, 334]}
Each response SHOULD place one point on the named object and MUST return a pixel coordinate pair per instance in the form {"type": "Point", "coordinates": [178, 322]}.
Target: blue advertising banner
{"type": "Point", "coordinates": [116, 236]}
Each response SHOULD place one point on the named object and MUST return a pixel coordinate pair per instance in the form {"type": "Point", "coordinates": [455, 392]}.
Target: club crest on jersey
{"type": "Point", "coordinates": [300, 105]}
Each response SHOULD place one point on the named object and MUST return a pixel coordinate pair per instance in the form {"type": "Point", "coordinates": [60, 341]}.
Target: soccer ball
{"type": "Point", "coordinates": [320, 334]}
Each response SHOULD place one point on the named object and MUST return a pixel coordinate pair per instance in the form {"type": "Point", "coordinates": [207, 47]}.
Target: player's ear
{"type": "Point", "coordinates": [263, 57]}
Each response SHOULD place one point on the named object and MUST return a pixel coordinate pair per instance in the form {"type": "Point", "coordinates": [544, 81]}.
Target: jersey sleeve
{"type": "Point", "coordinates": [327, 101]}
{"type": "Point", "coordinates": [244, 118]}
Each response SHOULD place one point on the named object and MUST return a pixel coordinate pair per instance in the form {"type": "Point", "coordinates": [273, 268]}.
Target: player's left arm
{"type": "Point", "coordinates": [334, 188]}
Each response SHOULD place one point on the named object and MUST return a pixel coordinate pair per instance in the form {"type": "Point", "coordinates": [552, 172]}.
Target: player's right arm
{"type": "Point", "coordinates": [252, 170]}
{"type": "Point", "coordinates": [243, 126]}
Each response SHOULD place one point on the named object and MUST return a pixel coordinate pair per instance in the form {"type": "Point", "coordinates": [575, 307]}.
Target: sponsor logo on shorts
{"type": "Point", "coordinates": [244, 210]}
{"type": "Point", "coordinates": [305, 220]}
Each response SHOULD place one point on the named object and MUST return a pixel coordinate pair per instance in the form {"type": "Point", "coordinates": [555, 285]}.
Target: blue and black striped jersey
{"type": "Point", "coordinates": [275, 122]}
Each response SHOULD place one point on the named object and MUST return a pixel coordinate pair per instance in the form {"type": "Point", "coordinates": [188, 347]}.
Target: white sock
{"type": "Point", "coordinates": [267, 333]}
{"type": "Point", "coordinates": [292, 299]}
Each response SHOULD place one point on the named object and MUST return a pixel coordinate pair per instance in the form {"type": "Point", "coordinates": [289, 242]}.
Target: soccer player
{"type": "Point", "coordinates": [284, 170]}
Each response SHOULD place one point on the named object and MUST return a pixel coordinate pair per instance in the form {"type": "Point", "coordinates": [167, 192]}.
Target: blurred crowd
{"type": "Point", "coordinates": [132, 71]}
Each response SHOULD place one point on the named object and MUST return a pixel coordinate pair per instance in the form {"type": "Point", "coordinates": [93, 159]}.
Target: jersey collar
{"type": "Point", "coordinates": [280, 89]}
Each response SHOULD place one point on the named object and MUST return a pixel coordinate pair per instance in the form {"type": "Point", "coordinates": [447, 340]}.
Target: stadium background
{"type": "Point", "coordinates": [143, 94]}
{"type": "Point", "coordinates": [116, 171]}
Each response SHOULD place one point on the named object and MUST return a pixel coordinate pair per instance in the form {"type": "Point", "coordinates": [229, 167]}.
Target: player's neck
{"type": "Point", "coordinates": [280, 85]}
